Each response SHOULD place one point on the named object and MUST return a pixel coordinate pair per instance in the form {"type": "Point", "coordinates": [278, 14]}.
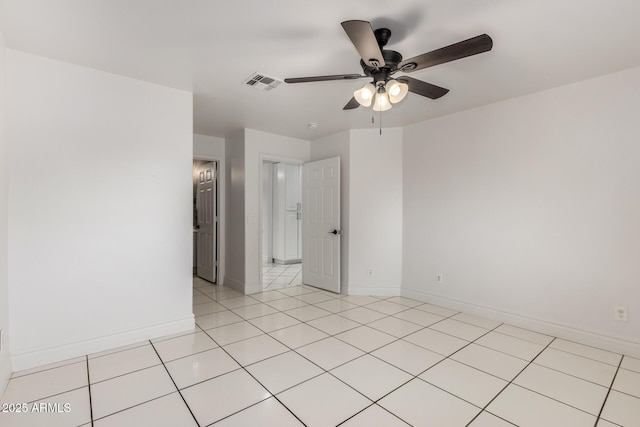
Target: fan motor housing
{"type": "Point", "coordinates": [391, 61]}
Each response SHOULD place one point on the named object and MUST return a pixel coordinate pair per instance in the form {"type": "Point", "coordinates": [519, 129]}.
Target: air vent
{"type": "Point", "coordinates": [262, 82]}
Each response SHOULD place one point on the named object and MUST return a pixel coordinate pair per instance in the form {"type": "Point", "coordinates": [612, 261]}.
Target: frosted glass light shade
{"type": "Point", "coordinates": [397, 91]}
{"type": "Point", "coordinates": [382, 102]}
{"type": "Point", "coordinates": [365, 94]}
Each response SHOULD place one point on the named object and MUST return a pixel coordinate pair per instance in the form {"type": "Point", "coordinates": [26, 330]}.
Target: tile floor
{"type": "Point", "coordinates": [300, 356]}
{"type": "Point", "coordinates": [278, 276]}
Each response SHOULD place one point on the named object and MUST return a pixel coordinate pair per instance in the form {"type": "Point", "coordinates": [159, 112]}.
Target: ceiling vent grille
{"type": "Point", "coordinates": [262, 82]}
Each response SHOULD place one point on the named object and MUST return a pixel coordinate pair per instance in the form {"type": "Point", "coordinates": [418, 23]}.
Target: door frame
{"type": "Point", "coordinates": [220, 198]}
{"type": "Point", "coordinates": [267, 236]}
{"type": "Point", "coordinates": [265, 157]}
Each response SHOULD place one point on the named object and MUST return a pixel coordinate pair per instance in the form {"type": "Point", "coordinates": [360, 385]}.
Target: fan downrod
{"type": "Point", "coordinates": [382, 36]}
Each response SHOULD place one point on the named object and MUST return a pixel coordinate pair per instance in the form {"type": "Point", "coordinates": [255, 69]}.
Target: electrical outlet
{"type": "Point", "coordinates": [620, 314]}
{"type": "Point", "coordinates": [370, 271]}
{"type": "Point", "coordinates": [439, 279]}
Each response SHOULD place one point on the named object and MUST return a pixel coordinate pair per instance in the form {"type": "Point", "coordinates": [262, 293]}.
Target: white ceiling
{"type": "Point", "coordinates": [209, 47]}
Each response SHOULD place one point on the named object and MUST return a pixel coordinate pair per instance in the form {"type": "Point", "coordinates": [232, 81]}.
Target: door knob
{"type": "Point", "coordinates": [334, 232]}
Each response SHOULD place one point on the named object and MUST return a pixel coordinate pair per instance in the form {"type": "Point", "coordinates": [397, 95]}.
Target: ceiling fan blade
{"type": "Point", "coordinates": [352, 104]}
{"type": "Point", "coordinates": [363, 38]}
{"type": "Point", "coordinates": [324, 78]}
{"type": "Point", "coordinates": [423, 88]}
{"type": "Point", "coordinates": [469, 47]}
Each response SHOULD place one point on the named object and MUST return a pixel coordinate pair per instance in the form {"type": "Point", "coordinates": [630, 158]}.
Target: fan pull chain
{"type": "Point", "coordinates": [373, 114]}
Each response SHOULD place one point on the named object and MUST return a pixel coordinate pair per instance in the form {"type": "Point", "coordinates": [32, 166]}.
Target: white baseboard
{"type": "Point", "coordinates": [253, 289]}
{"type": "Point", "coordinates": [234, 284]}
{"type": "Point", "coordinates": [381, 292]}
{"type": "Point", "coordinates": [56, 354]}
{"type": "Point", "coordinates": [5, 371]}
{"type": "Point", "coordinates": [593, 339]}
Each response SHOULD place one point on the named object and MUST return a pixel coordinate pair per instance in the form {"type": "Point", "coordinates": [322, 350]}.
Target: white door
{"type": "Point", "coordinates": [321, 224]}
{"type": "Point", "coordinates": [207, 222]}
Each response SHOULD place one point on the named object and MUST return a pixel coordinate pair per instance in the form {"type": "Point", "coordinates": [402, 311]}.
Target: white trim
{"type": "Point", "coordinates": [248, 290]}
{"type": "Point", "coordinates": [593, 339]}
{"type": "Point", "coordinates": [382, 292]}
{"type": "Point", "coordinates": [56, 354]}
{"type": "Point", "coordinates": [344, 286]}
{"type": "Point", "coordinates": [221, 212]}
{"type": "Point", "coordinates": [234, 284]}
{"type": "Point", "coordinates": [5, 372]}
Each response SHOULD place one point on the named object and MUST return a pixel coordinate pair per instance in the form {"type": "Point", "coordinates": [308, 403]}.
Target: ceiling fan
{"type": "Point", "coordinates": [381, 64]}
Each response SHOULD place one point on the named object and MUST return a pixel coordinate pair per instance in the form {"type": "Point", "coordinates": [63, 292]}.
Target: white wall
{"type": "Point", "coordinates": [5, 361]}
{"type": "Point", "coordinates": [259, 145]}
{"type": "Point", "coordinates": [530, 208]}
{"type": "Point", "coordinates": [207, 147]}
{"type": "Point", "coordinates": [371, 207]}
{"type": "Point", "coordinates": [338, 145]}
{"type": "Point", "coordinates": [235, 177]}
{"type": "Point", "coordinates": [375, 210]}
{"type": "Point", "coordinates": [99, 209]}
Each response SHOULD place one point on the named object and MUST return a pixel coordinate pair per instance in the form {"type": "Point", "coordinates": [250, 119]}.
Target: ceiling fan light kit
{"type": "Point", "coordinates": [397, 90]}
{"type": "Point", "coordinates": [382, 102]}
{"type": "Point", "coordinates": [386, 94]}
{"type": "Point", "coordinates": [365, 94]}
{"type": "Point", "coordinates": [381, 64]}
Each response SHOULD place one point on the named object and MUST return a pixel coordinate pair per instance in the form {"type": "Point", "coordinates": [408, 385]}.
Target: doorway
{"type": "Point", "coordinates": [281, 224]}
{"type": "Point", "coordinates": [206, 220]}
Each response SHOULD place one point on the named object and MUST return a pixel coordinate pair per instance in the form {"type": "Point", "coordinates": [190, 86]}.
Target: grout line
{"type": "Point", "coordinates": [413, 377]}
{"type": "Point", "coordinates": [609, 391]}
{"type": "Point", "coordinates": [301, 355]}
{"type": "Point", "coordinates": [89, 386]}
{"type": "Point", "coordinates": [503, 352]}
{"type": "Point", "coordinates": [44, 397]}
{"type": "Point", "coordinates": [417, 377]}
{"type": "Point", "coordinates": [137, 404]}
{"type": "Point", "coordinates": [587, 357]}
{"type": "Point", "coordinates": [45, 370]}
{"type": "Point", "coordinates": [361, 411]}
{"type": "Point", "coordinates": [590, 346]}
{"type": "Point", "coordinates": [524, 339]}
{"type": "Point", "coordinates": [192, 354]}
{"type": "Point", "coordinates": [369, 352]}
{"type": "Point", "coordinates": [255, 379]}
{"type": "Point", "coordinates": [509, 383]}
{"type": "Point", "coordinates": [133, 406]}
{"type": "Point", "coordinates": [162, 339]}
{"type": "Point", "coordinates": [126, 373]}
{"type": "Point", "coordinates": [570, 375]}
{"type": "Point", "coordinates": [174, 384]}
{"type": "Point", "coordinates": [425, 327]}
{"type": "Point", "coordinates": [128, 347]}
